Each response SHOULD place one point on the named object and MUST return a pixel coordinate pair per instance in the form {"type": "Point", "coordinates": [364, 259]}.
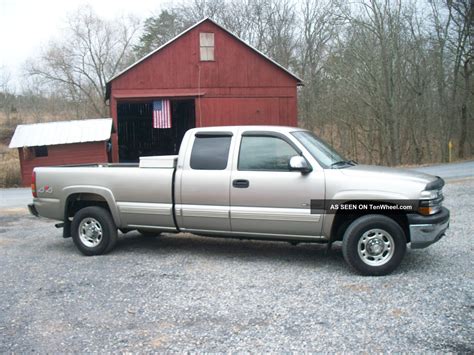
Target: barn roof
{"type": "Point", "coordinates": [299, 81]}
{"type": "Point", "coordinates": [63, 132]}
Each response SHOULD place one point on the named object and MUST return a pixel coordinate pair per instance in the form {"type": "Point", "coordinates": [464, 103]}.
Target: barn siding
{"type": "Point", "coordinates": [243, 111]}
{"type": "Point", "coordinates": [241, 87]}
{"type": "Point", "coordinates": [178, 66]}
{"type": "Point", "coordinates": [81, 153]}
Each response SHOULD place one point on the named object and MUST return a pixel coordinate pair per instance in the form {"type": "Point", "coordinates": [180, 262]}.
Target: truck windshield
{"type": "Point", "coordinates": [321, 151]}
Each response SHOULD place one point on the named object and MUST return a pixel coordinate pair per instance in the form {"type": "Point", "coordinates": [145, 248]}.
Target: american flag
{"type": "Point", "coordinates": [161, 114]}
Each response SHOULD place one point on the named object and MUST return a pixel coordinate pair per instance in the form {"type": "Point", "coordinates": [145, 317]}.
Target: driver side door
{"type": "Point", "coordinates": [266, 197]}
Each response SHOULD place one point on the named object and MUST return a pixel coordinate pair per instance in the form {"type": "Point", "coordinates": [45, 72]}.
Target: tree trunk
{"type": "Point", "coordinates": [464, 112]}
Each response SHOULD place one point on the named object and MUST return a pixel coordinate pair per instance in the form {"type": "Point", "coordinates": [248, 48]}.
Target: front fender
{"type": "Point", "coordinates": [354, 195]}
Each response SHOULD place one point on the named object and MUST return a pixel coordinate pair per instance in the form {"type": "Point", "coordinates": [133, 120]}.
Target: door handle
{"type": "Point", "coordinates": [240, 183]}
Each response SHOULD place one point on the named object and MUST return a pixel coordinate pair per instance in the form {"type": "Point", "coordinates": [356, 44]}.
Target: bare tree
{"type": "Point", "coordinates": [385, 81]}
{"type": "Point", "coordinates": [462, 16]}
{"type": "Point", "coordinates": [372, 56]}
{"type": "Point", "coordinates": [281, 39]}
{"type": "Point", "coordinates": [91, 51]}
{"type": "Point", "coordinates": [7, 94]}
{"type": "Point", "coordinates": [196, 10]}
{"type": "Point", "coordinates": [320, 24]}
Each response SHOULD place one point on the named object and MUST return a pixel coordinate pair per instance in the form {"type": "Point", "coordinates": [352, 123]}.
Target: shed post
{"type": "Point", "coordinates": [114, 136]}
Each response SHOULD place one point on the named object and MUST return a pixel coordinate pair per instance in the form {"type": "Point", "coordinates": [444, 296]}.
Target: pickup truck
{"type": "Point", "coordinates": [257, 182]}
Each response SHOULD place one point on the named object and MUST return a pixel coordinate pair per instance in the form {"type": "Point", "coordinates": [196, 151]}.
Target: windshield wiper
{"type": "Point", "coordinates": [343, 162]}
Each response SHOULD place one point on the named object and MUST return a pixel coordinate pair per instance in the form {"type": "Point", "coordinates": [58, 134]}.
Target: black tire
{"type": "Point", "coordinates": [149, 233]}
{"type": "Point", "coordinates": [86, 220]}
{"type": "Point", "coordinates": [374, 245]}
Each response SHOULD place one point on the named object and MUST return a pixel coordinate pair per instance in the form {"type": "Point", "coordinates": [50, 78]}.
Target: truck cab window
{"type": "Point", "coordinates": [265, 153]}
{"type": "Point", "coordinates": [210, 152]}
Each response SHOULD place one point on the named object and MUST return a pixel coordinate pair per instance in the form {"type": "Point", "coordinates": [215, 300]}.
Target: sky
{"type": "Point", "coordinates": [27, 25]}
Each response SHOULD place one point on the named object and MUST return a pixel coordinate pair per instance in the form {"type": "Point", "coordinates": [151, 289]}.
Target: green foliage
{"type": "Point", "coordinates": [159, 30]}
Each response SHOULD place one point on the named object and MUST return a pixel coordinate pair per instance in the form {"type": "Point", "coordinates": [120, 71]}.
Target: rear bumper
{"type": "Point", "coordinates": [426, 230]}
{"type": "Point", "coordinates": [32, 209]}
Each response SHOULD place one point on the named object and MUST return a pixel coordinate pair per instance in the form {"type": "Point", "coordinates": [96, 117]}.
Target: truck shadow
{"type": "Point", "coordinates": [415, 262]}
{"type": "Point", "coordinates": [229, 248]}
{"type": "Point", "coordinates": [304, 254]}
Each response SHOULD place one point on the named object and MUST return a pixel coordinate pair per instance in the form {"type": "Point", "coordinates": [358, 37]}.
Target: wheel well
{"type": "Point", "coordinates": [342, 220]}
{"type": "Point", "coordinates": [76, 202]}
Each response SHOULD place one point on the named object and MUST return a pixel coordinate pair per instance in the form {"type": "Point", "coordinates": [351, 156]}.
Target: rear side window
{"type": "Point", "coordinates": [210, 152]}
{"type": "Point", "coordinates": [265, 154]}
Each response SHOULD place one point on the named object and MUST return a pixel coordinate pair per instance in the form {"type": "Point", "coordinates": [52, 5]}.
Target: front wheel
{"type": "Point", "coordinates": [374, 245]}
{"type": "Point", "coordinates": [93, 231]}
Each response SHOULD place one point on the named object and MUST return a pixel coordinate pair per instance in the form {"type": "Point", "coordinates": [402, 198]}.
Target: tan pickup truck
{"type": "Point", "coordinates": [259, 182]}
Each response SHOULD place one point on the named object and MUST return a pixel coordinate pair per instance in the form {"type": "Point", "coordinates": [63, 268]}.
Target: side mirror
{"type": "Point", "coordinates": [299, 163]}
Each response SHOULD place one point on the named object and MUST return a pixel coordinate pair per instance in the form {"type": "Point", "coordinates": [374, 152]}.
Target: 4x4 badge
{"type": "Point", "coordinates": [46, 189]}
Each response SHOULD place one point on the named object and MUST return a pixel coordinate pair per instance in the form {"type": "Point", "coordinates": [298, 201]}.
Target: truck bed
{"type": "Point", "coordinates": [143, 196]}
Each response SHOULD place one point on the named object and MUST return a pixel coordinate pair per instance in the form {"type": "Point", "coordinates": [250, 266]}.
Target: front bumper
{"type": "Point", "coordinates": [426, 230]}
{"type": "Point", "coordinates": [32, 209]}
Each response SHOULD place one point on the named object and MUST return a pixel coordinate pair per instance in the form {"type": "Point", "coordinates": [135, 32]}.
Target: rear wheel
{"type": "Point", "coordinates": [374, 245]}
{"type": "Point", "coordinates": [93, 231]}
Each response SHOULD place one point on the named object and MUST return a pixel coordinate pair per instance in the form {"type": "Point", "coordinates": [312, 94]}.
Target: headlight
{"type": "Point", "coordinates": [430, 202]}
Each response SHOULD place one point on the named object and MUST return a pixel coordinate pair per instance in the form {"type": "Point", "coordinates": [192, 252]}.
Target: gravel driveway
{"type": "Point", "coordinates": [186, 293]}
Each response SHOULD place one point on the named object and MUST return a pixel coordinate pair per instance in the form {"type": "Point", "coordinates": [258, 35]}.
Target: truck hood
{"type": "Point", "coordinates": [382, 172]}
{"type": "Point", "coordinates": [367, 181]}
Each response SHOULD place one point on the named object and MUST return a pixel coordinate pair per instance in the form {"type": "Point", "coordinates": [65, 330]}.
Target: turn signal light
{"type": "Point", "coordinates": [429, 210]}
{"type": "Point", "coordinates": [431, 201]}
{"type": "Point", "coordinates": [426, 210]}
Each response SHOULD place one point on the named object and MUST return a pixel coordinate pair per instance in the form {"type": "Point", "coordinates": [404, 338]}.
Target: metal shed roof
{"type": "Point", "coordinates": [63, 132]}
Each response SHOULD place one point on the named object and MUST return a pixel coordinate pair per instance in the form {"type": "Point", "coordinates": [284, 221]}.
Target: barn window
{"type": "Point", "coordinates": [206, 43]}
{"type": "Point", "coordinates": [41, 151]}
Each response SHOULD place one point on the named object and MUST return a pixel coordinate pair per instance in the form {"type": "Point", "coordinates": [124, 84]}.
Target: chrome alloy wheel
{"type": "Point", "coordinates": [376, 247]}
{"type": "Point", "coordinates": [90, 232]}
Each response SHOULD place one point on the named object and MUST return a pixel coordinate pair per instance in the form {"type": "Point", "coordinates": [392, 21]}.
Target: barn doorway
{"type": "Point", "coordinates": [137, 137]}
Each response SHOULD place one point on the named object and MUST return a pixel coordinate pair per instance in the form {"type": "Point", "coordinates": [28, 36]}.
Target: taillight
{"type": "Point", "coordinates": [33, 184]}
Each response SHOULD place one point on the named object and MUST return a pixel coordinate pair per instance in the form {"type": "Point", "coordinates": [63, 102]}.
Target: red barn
{"type": "Point", "coordinates": [208, 77]}
{"type": "Point", "coordinates": [61, 143]}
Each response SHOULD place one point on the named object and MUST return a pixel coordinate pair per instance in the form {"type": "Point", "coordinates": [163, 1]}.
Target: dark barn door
{"type": "Point", "coordinates": [183, 118]}
{"type": "Point", "coordinates": [137, 137]}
